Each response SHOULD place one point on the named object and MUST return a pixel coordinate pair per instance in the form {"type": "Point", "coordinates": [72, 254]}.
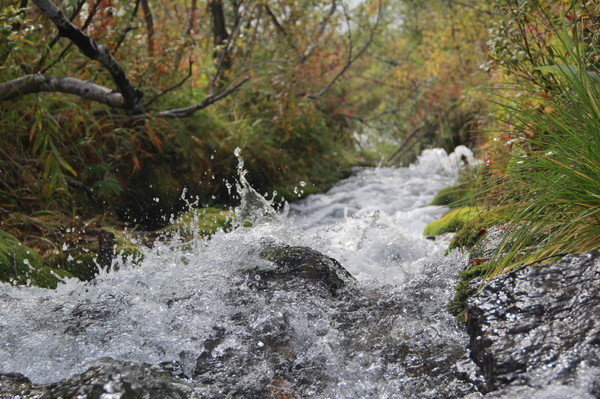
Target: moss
{"type": "Point", "coordinates": [131, 253]}
{"type": "Point", "coordinates": [451, 196]}
{"type": "Point", "coordinates": [202, 222]}
{"type": "Point", "coordinates": [126, 248]}
{"type": "Point", "coordinates": [469, 282]}
{"type": "Point", "coordinates": [453, 220]}
{"type": "Point", "coordinates": [472, 231]}
{"type": "Point", "coordinates": [469, 236]}
{"type": "Point", "coordinates": [82, 265]}
{"type": "Point", "coordinates": [21, 265]}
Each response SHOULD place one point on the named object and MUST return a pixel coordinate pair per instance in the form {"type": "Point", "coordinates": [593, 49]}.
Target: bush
{"type": "Point", "coordinates": [551, 179]}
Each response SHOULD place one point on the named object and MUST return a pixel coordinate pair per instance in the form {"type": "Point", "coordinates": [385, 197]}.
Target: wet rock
{"type": "Point", "coordinates": [303, 263]}
{"type": "Point", "coordinates": [540, 325]}
{"type": "Point", "coordinates": [108, 379]}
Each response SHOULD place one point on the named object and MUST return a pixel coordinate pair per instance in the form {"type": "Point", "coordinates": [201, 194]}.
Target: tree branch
{"type": "Point", "coordinates": [351, 59]}
{"type": "Point", "coordinates": [467, 5]}
{"type": "Point", "coordinates": [149, 26]}
{"type": "Point", "coordinates": [36, 83]}
{"type": "Point", "coordinates": [87, 22]}
{"type": "Point", "coordinates": [319, 34]}
{"type": "Point", "coordinates": [188, 111]}
{"type": "Point", "coordinates": [127, 29]}
{"type": "Point", "coordinates": [92, 49]}
{"type": "Point", "coordinates": [171, 88]}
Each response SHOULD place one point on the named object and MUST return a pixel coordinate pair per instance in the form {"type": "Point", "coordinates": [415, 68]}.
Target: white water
{"type": "Point", "coordinates": [167, 308]}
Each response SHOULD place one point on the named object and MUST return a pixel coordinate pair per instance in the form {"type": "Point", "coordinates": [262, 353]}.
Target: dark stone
{"type": "Point", "coordinates": [108, 379]}
{"type": "Point", "coordinates": [539, 325]}
{"type": "Point", "coordinates": [306, 264]}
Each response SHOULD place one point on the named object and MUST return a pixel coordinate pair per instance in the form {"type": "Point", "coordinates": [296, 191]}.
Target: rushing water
{"type": "Point", "coordinates": [192, 303]}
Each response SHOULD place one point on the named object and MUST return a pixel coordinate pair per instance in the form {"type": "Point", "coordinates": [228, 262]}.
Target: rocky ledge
{"type": "Point", "coordinates": [536, 330]}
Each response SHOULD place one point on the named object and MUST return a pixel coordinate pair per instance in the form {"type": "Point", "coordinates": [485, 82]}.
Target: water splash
{"type": "Point", "coordinates": [390, 337]}
{"type": "Point", "coordinates": [253, 207]}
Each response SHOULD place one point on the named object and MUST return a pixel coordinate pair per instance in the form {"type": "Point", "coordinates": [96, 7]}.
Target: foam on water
{"type": "Point", "coordinates": [168, 307]}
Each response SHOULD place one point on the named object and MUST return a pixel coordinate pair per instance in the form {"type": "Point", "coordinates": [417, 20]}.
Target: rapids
{"type": "Point", "coordinates": [390, 336]}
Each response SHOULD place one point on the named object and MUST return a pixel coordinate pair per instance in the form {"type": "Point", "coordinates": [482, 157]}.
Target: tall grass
{"type": "Point", "coordinates": [551, 178]}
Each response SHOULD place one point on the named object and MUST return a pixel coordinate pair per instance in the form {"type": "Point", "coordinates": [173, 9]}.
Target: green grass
{"type": "Point", "coordinates": [551, 180]}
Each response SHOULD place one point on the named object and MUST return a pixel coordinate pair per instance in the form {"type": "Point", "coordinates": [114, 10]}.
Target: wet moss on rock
{"type": "Point", "coordinates": [203, 222]}
{"type": "Point", "coordinates": [451, 196]}
{"type": "Point", "coordinates": [21, 265]}
{"type": "Point", "coordinates": [452, 221]}
{"type": "Point", "coordinates": [295, 262]}
{"type": "Point", "coordinates": [470, 281]}
{"type": "Point", "coordinates": [470, 234]}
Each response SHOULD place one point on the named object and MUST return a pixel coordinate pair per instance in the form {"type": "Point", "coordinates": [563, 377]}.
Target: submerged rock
{"type": "Point", "coordinates": [539, 326]}
{"type": "Point", "coordinates": [109, 379]}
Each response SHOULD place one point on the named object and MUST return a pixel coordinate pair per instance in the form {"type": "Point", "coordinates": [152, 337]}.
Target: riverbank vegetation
{"type": "Point", "coordinates": [540, 177]}
{"type": "Point", "coordinates": [118, 115]}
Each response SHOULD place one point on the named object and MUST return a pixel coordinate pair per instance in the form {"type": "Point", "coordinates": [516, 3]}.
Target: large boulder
{"type": "Point", "coordinates": [540, 325]}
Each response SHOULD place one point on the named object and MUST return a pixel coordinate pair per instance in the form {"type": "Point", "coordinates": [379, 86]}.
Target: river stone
{"type": "Point", "coordinates": [540, 325]}
{"type": "Point", "coordinates": [109, 379]}
{"type": "Point", "coordinates": [304, 263]}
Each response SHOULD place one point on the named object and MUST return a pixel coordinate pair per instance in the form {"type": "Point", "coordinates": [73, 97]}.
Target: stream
{"type": "Point", "coordinates": [194, 306]}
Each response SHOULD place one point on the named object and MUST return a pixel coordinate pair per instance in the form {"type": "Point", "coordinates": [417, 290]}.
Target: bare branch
{"type": "Point", "coordinates": [92, 49]}
{"type": "Point", "coordinates": [351, 59]}
{"type": "Point", "coordinates": [87, 22]}
{"type": "Point", "coordinates": [55, 39]}
{"type": "Point", "coordinates": [167, 90]}
{"type": "Point", "coordinates": [127, 97]}
{"type": "Point", "coordinates": [224, 57]}
{"type": "Point", "coordinates": [319, 34]}
{"type": "Point", "coordinates": [187, 33]}
{"type": "Point", "coordinates": [467, 5]}
{"type": "Point", "coordinates": [36, 83]}
{"type": "Point", "coordinates": [407, 145]}
{"type": "Point", "coordinates": [188, 111]}
{"type": "Point", "coordinates": [361, 120]}
{"type": "Point", "coordinates": [279, 27]}
{"type": "Point", "coordinates": [128, 27]}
